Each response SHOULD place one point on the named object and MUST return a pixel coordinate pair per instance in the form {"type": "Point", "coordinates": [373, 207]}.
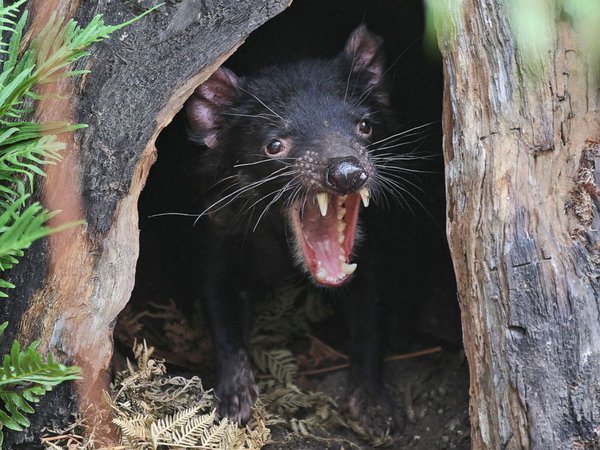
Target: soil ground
{"type": "Point", "coordinates": [431, 390]}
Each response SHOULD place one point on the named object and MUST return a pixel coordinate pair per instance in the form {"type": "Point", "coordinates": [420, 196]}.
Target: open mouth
{"type": "Point", "coordinates": [325, 227]}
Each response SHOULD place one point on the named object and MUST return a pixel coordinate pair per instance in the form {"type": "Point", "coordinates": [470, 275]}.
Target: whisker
{"type": "Point", "coordinates": [394, 188]}
{"type": "Point", "coordinates": [152, 216]}
{"type": "Point", "coordinates": [272, 202]}
{"type": "Point", "coordinates": [257, 116]}
{"type": "Point", "coordinates": [269, 194]}
{"type": "Point", "coordinates": [367, 92]}
{"type": "Point", "coordinates": [229, 198]}
{"type": "Point", "coordinates": [350, 73]}
{"type": "Point", "coordinates": [403, 169]}
{"type": "Point", "coordinates": [409, 156]}
{"type": "Point", "coordinates": [214, 185]}
{"type": "Point", "coordinates": [403, 133]}
{"type": "Point", "coordinates": [400, 144]}
{"type": "Point", "coordinates": [282, 160]}
{"type": "Point", "coordinates": [262, 103]}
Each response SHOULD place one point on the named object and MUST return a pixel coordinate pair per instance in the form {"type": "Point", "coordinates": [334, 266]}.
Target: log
{"type": "Point", "coordinates": [71, 286]}
{"type": "Point", "coordinates": [522, 176]}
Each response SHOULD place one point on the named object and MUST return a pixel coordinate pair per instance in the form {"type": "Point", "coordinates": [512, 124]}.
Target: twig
{"type": "Point", "coordinates": [391, 358]}
{"type": "Point", "coordinates": [402, 357]}
{"type": "Point", "coordinates": [427, 351]}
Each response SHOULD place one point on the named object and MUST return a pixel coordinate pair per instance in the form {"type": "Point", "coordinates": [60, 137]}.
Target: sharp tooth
{"type": "Point", "coordinates": [323, 200]}
{"type": "Point", "coordinates": [348, 268]}
{"type": "Point", "coordinates": [341, 213]}
{"type": "Point", "coordinates": [365, 195]}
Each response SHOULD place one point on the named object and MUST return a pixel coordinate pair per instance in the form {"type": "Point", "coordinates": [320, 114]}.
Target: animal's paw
{"type": "Point", "coordinates": [374, 415]}
{"type": "Point", "coordinates": [237, 392]}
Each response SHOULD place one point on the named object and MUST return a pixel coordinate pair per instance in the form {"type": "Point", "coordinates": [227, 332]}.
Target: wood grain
{"type": "Point", "coordinates": [528, 284]}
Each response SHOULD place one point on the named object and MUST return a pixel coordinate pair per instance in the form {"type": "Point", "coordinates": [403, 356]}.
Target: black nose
{"type": "Point", "coordinates": [345, 174]}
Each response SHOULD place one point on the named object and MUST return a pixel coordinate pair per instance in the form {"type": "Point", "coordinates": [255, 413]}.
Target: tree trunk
{"type": "Point", "coordinates": [522, 154]}
{"type": "Point", "coordinates": [71, 287]}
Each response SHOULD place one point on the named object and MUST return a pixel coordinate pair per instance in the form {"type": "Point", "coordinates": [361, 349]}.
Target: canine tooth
{"type": "Point", "coordinates": [323, 200]}
{"type": "Point", "coordinates": [349, 268]}
{"type": "Point", "coordinates": [365, 195]}
{"type": "Point", "coordinates": [341, 213]}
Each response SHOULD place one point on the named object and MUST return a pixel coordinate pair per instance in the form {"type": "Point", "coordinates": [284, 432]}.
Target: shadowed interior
{"type": "Point", "coordinates": [407, 233]}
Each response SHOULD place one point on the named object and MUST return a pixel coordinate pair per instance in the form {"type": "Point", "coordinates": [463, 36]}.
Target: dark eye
{"type": "Point", "coordinates": [274, 147]}
{"type": "Point", "coordinates": [364, 127]}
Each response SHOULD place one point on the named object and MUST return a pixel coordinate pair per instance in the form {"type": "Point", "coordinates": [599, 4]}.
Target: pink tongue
{"type": "Point", "coordinates": [322, 236]}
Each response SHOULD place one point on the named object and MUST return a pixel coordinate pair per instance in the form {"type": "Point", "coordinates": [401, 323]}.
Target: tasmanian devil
{"type": "Point", "coordinates": [290, 155]}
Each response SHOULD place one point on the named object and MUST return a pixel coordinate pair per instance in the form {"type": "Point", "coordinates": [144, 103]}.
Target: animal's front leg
{"type": "Point", "coordinates": [229, 317]}
{"type": "Point", "coordinates": [368, 401]}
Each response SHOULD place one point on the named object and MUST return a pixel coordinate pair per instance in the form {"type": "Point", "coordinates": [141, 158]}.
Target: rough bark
{"type": "Point", "coordinates": [522, 176]}
{"type": "Point", "coordinates": [72, 286]}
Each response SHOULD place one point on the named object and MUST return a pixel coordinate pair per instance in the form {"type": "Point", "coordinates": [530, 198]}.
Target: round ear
{"type": "Point", "coordinates": [365, 51]}
{"type": "Point", "coordinates": [204, 107]}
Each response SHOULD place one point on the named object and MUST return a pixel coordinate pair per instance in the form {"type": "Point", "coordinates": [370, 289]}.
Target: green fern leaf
{"type": "Point", "coordinates": [9, 422]}
{"type": "Point", "coordinates": [18, 400]}
{"type": "Point", "coordinates": [15, 414]}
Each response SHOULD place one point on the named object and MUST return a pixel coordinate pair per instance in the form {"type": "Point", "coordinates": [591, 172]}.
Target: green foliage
{"type": "Point", "coordinates": [585, 15]}
{"type": "Point", "coordinates": [440, 22]}
{"type": "Point", "coordinates": [532, 24]}
{"type": "Point", "coordinates": [25, 146]}
{"type": "Point", "coordinates": [24, 378]}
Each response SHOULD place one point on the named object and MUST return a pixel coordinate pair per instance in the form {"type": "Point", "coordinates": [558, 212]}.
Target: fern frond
{"type": "Point", "coordinates": [18, 229]}
{"type": "Point", "coordinates": [24, 378]}
{"type": "Point", "coordinates": [134, 429]}
{"type": "Point", "coordinates": [22, 160]}
{"type": "Point", "coordinates": [192, 431]}
{"type": "Point", "coordinates": [280, 363]}
{"type": "Point", "coordinates": [216, 437]}
{"type": "Point", "coordinates": [169, 424]}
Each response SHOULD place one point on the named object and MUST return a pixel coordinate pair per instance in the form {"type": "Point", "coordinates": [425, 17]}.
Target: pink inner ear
{"type": "Point", "coordinates": [211, 140]}
{"type": "Point", "coordinates": [220, 88]}
{"type": "Point", "coordinates": [201, 116]}
{"type": "Point", "coordinates": [365, 50]}
{"type": "Point", "coordinates": [205, 106]}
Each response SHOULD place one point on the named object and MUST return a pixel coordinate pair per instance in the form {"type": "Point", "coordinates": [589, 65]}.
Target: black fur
{"type": "Point", "coordinates": [246, 242]}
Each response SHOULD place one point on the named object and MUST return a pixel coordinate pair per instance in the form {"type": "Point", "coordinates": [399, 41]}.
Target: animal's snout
{"type": "Point", "coordinates": [345, 174]}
